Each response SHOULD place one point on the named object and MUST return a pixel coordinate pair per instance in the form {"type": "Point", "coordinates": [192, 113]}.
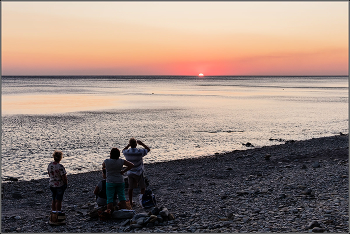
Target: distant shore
{"type": "Point", "coordinates": [280, 188]}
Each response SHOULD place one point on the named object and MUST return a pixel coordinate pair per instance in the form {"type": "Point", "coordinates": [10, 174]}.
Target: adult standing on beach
{"type": "Point", "coordinates": [136, 176]}
{"type": "Point", "coordinates": [115, 181]}
{"type": "Point", "coordinates": [58, 184]}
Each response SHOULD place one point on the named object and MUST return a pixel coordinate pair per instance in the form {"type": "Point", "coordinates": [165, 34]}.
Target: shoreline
{"type": "Point", "coordinates": [238, 191]}
{"type": "Point", "coordinates": [9, 179]}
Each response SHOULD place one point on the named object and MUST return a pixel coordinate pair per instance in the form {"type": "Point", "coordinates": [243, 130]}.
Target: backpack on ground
{"type": "Point", "coordinates": [148, 200]}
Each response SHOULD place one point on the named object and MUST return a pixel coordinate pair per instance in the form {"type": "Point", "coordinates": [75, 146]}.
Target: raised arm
{"type": "Point", "coordinates": [143, 145]}
{"type": "Point", "coordinates": [126, 147]}
{"type": "Point", "coordinates": [128, 165]}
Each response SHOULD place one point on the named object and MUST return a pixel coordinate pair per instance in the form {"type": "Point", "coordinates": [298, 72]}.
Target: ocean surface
{"type": "Point", "coordinates": [177, 117]}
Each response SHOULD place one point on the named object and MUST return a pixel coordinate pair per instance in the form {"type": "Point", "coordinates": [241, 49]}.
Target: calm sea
{"type": "Point", "coordinates": [177, 117]}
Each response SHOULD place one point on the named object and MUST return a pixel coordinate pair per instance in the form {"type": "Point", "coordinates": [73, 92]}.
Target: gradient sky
{"type": "Point", "coordinates": [175, 38]}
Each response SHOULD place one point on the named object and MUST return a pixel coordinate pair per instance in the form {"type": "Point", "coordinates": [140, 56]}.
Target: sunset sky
{"type": "Point", "coordinates": [175, 38]}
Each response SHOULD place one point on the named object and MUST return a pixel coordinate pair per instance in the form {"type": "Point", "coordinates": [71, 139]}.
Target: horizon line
{"type": "Point", "coordinates": [181, 75]}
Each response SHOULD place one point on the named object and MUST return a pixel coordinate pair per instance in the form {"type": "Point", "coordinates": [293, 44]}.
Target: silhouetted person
{"type": "Point", "coordinates": [136, 176]}
{"type": "Point", "coordinates": [115, 181]}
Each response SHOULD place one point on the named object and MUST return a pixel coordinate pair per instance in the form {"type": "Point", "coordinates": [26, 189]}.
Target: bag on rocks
{"type": "Point", "coordinates": [123, 214]}
{"type": "Point", "coordinates": [147, 200]}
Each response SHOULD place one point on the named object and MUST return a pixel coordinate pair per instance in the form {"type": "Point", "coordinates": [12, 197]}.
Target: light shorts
{"type": "Point", "coordinates": [136, 181]}
{"type": "Point", "coordinates": [112, 188]}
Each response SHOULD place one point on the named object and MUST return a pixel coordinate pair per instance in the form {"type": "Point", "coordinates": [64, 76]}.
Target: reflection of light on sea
{"type": "Point", "coordinates": [49, 104]}
{"type": "Point", "coordinates": [181, 120]}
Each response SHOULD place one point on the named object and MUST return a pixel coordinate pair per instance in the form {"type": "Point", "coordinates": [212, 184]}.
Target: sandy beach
{"type": "Point", "coordinates": [301, 183]}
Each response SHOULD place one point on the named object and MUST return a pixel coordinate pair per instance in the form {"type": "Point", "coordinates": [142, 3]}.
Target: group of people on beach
{"type": "Point", "coordinates": [111, 187]}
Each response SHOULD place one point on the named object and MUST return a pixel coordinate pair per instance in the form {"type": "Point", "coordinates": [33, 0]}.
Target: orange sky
{"type": "Point", "coordinates": [175, 38]}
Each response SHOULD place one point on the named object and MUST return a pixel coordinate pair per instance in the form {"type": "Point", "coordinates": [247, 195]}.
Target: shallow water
{"type": "Point", "coordinates": [177, 117]}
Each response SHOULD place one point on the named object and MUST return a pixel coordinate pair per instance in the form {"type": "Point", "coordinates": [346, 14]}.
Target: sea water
{"type": "Point", "coordinates": [177, 117]}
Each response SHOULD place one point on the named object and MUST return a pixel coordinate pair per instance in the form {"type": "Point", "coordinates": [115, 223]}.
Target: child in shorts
{"type": "Point", "coordinates": [58, 184]}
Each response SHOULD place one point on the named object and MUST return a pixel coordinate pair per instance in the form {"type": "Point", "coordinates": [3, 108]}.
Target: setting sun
{"type": "Point", "coordinates": [200, 74]}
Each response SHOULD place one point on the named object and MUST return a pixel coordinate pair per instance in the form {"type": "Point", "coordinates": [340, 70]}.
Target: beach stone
{"type": "Point", "coordinates": [313, 224]}
{"type": "Point", "coordinates": [134, 226]}
{"type": "Point", "coordinates": [281, 196]}
{"type": "Point", "coordinates": [318, 229]}
{"type": "Point", "coordinates": [171, 216]}
{"type": "Point", "coordinates": [17, 195]}
{"type": "Point", "coordinates": [316, 164]}
{"type": "Point", "coordinates": [303, 166]}
{"type": "Point", "coordinates": [150, 224]}
{"type": "Point", "coordinates": [164, 212]}
{"type": "Point", "coordinates": [160, 219]}
{"type": "Point", "coordinates": [307, 191]}
{"type": "Point", "coordinates": [155, 210]}
{"type": "Point", "coordinates": [241, 193]}
{"type": "Point", "coordinates": [39, 191]}
{"type": "Point", "coordinates": [151, 219]}
{"type": "Point", "coordinates": [141, 220]}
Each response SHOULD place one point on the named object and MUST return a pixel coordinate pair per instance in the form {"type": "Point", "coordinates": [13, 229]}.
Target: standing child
{"type": "Point", "coordinates": [58, 184]}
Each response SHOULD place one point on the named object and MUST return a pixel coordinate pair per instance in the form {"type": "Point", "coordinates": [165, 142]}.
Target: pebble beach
{"type": "Point", "coordinates": [297, 186]}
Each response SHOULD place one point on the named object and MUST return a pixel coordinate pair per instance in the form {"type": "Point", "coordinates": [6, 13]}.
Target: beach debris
{"type": "Point", "coordinates": [267, 156]}
{"type": "Point", "coordinates": [248, 144]}
{"type": "Point", "coordinates": [289, 142]}
{"type": "Point", "coordinates": [308, 191]}
{"type": "Point", "coordinates": [157, 216]}
{"type": "Point", "coordinates": [318, 229]}
{"type": "Point", "coordinates": [10, 178]}
{"type": "Point", "coordinates": [279, 140]}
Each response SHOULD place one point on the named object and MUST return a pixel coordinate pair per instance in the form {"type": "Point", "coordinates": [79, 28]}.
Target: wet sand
{"type": "Point", "coordinates": [241, 191]}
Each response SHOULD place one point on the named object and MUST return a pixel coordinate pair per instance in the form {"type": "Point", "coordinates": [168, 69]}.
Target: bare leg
{"type": "Point", "coordinates": [58, 205]}
{"type": "Point", "coordinates": [53, 205]}
{"type": "Point", "coordinates": [130, 191]}
{"type": "Point", "coordinates": [110, 206]}
{"type": "Point", "coordinates": [123, 205]}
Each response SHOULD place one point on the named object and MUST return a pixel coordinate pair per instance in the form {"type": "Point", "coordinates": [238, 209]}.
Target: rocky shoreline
{"type": "Point", "coordinates": [298, 186]}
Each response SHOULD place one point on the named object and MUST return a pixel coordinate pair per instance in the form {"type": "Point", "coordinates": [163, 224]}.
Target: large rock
{"type": "Point", "coordinates": [164, 212]}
